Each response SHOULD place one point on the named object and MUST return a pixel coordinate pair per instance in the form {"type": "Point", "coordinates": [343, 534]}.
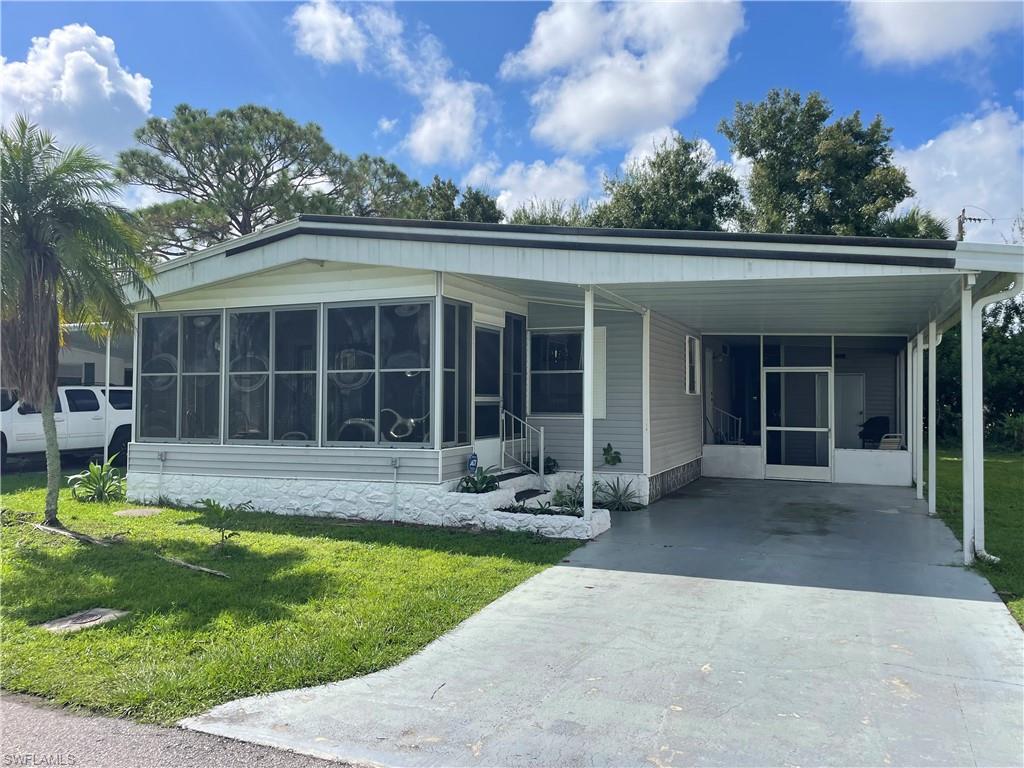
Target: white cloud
{"type": "Point", "coordinates": [979, 161]}
{"type": "Point", "coordinates": [645, 145]}
{"type": "Point", "coordinates": [328, 34]}
{"type": "Point", "coordinates": [518, 183]}
{"type": "Point", "coordinates": [72, 83]}
{"type": "Point", "coordinates": [611, 73]}
{"type": "Point", "coordinates": [386, 125]}
{"type": "Point", "coordinates": [453, 110]}
{"type": "Point", "coordinates": [921, 32]}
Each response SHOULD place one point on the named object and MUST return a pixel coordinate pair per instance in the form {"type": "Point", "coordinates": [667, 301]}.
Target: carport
{"type": "Point", "coordinates": [736, 622]}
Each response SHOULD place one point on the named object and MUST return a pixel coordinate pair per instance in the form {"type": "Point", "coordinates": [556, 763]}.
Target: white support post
{"type": "Point", "coordinates": [588, 403]}
{"type": "Point", "coordinates": [919, 415]}
{"type": "Point", "coordinates": [437, 374]}
{"type": "Point", "coordinates": [908, 398]}
{"type": "Point", "coordinates": [967, 415]}
{"type": "Point", "coordinates": [106, 405]}
{"type": "Point", "coordinates": [932, 416]}
{"type": "Point", "coordinates": [978, 428]}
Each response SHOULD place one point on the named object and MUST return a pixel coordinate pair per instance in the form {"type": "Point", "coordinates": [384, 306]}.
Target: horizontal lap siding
{"type": "Point", "coordinates": [879, 369]}
{"type": "Point", "coordinates": [453, 462]}
{"type": "Point", "coordinates": [623, 426]}
{"type": "Point", "coordinates": [676, 432]}
{"type": "Point", "coordinates": [416, 466]}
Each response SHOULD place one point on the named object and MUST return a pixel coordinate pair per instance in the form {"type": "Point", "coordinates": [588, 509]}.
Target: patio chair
{"type": "Point", "coordinates": [872, 431]}
{"type": "Point", "coordinates": [891, 442]}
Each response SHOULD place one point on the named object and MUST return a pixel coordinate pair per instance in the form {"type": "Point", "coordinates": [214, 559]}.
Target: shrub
{"type": "Point", "coordinates": [482, 481]}
{"type": "Point", "coordinates": [570, 499]}
{"type": "Point", "coordinates": [617, 497]}
{"type": "Point", "coordinates": [100, 482]}
{"type": "Point", "coordinates": [611, 456]}
{"type": "Point", "coordinates": [550, 464]}
{"type": "Point", "coordinates": [1008, 431]}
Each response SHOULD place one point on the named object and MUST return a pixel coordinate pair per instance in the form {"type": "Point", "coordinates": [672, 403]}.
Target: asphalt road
{"type": "Point", "coordinates": [34, 733]}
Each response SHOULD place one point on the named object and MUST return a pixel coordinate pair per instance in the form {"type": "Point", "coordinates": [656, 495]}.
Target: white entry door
{"type": "Point", "coordinates": [849, 409]}
{"type": "Point", "coordinates": [797, 419]}
{"type": "Point", "coordinates": [487, 396]}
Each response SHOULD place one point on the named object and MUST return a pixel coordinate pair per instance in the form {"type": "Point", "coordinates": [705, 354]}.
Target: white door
{"type": "Point", "coordinates": [487, 396]}
{"type": "Point", "coordinates": [84, 419]}
{"type": "Point", "coordinates": [797, 419]}
{"type": "Point", "coordinates": [849, 409]}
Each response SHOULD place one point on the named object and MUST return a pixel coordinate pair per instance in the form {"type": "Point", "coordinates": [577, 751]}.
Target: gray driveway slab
{"type": "Point", "coordinates": [735, 623]}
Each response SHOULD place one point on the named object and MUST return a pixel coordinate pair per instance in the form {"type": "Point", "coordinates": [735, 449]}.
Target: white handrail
{"type": "Point", "coordinates": [520, 442]}
{"type": "Point", "coordinates": [728, 428]}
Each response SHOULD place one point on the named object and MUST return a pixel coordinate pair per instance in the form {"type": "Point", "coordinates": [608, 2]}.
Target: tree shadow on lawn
{"type": "Point", "coordinates": [44, 583]}
{"type": "Point", "coordinates": [518, 546]}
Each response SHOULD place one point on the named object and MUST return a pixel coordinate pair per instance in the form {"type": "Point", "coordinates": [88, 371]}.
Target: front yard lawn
{"type": "Point", "coordinates": [308, 601]}
{"type": "Point", "coordinates": [1004, 518]}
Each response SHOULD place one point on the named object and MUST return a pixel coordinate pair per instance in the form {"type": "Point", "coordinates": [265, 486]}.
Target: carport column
{"type": "Point", "coordinates": [908, 429]}
{"type": "Point", "coordinates": [932, 423]}
{"type": "Point", "coordinates": [588, 402]}
{"type": "Point", "coordinates": [967, 415]}
{"type": "Point", "coordinates": [919, 414]}
{"type": "Point", "coordinates": [106, 405]}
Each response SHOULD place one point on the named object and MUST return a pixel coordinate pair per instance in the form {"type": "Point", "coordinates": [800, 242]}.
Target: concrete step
{"type": "Point", "coordinates": [529, 493]}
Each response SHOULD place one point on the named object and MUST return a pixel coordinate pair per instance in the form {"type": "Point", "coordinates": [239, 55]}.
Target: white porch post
{"type": "Point", "coordinates": [909, 400]}
{"type": "Point", "coordinates": [978, 427]}
{"type": "Point", "coordinates": [967, 415]}
{"type": "Point", "coordinates": [932, 416]}
{"type": "Point", "coordinates": [106, 408]}
{"type": "Point", "coordinates": [588, 403]}
{"type": "Point", "coordinates": [437, 365]}
{"type": "Point", "coordinates": [919, 414]}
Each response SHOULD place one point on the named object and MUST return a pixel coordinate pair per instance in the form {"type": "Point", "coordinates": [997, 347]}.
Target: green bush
{"type": "Point", "coordinates": [100, 482]}
{"type": "Point", "coordinates": [1008, 432]}
{"type": "Point", "coordinates": [483, 481]}
{"type": "Point", "coordinates": [617, 497]}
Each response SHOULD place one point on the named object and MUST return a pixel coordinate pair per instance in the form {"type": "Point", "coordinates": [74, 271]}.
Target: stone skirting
{"type": "Point", "coordinates": [416, 503]}
{"type": "Point", "coordinates": [673, 479]}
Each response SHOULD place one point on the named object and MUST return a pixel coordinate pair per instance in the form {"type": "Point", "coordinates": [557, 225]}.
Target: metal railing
{"type": "Point", "coordinates": [522, 444]}
{"type": "Point", "coordinates": [728, 429]}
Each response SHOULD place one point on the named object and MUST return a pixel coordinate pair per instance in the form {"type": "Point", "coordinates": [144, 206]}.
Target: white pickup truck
{"type": "Point", "coordinates": [79, 413]}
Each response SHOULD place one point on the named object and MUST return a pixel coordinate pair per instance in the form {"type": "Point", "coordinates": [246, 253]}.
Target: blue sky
{"type": "Point", "coordinates": [529, 99]}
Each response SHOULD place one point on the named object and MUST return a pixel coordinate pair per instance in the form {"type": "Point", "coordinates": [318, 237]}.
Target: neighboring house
{"type": "Point", "coordinates": [83, 360]}
{"type": "Point", "coordinates": [350, 366]}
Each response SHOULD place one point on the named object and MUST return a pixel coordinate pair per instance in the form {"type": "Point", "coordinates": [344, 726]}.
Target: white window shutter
{"type": "Point", "coordinates": [600, 372]}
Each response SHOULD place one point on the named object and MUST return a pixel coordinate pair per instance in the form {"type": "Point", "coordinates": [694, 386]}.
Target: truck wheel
{"type": "Point", "coordinates": [119, 445]}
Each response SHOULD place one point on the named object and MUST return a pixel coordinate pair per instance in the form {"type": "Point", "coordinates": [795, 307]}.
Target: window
{"type": "Point", "coordinates": [692, 365]}
{"type": "Point", "coordinates": [119, 399]}
{"type": "Point", "coordinates": [81, 400]}
{"type": "Point", "coordinates": [26, 410]}
{"type": "Point", "coordinates": [556, 372]}
{"type": "Point", "coordinates": [7, 399]}
{"type": "Point", "coordinates": [88, 374]}
{"type": "Point", "coordinates": [457, 327]}
{"type": "Point", "coordinates": [272, 370]}
{"type": "Point", "coordinates": [158, 376]}
{"type": "Point", "coordinates": [179, 377]}
{"type": "Point", "coordinates": [378, 374]}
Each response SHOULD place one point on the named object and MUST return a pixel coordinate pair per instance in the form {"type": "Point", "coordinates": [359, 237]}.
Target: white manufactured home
{"type": "Point", "coordinates": [348, 366]}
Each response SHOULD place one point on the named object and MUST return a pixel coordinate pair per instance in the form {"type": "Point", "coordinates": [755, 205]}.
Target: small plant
{"type": "Point", "coordinates": [617, 497]}
{"type": "Point", "coordinates": [222, 517]}
{"type": "Point", "coordinates": [570, 499]}
{"type": "Point", "coordinates": [100, 482]}
{"type": "Point", "coordinates": [482, 481]}
{"type": "Point", "coordinates": [550, 464]}
{"type": "Point", "coordinates": [611, 456]}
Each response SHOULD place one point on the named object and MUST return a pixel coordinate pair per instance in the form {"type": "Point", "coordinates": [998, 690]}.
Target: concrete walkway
{"type": "Point", "coordinates": [737, 623]}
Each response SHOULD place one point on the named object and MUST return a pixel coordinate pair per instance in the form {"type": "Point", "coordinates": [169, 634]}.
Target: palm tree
{"type": "Point", "coordinates": [68, 255]}
{"type": "Point", "coordinates": [917, 223]}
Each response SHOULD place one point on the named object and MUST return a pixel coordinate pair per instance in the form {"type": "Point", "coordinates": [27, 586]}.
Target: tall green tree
{"type": "Point", "coordinates": [810, 175]}
{"type": "Point", "coordinates": [234, 170]}
{"type": "Point", "coordinates": [680, 186]}
{"type": "Point", "coordinates": [560, 213]}
{"type": "Point", "coordinates": [915, 223]}
{"type": "Point", "coordinates": [68, 254]}
{"type": "Point", "coordinates": [477, 205]}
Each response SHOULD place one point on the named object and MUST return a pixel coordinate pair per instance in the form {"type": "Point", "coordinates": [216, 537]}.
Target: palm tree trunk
{"type": "Point", "coordinates": [52, 462]}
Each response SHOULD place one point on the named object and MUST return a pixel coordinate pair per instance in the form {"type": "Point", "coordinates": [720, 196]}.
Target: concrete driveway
{"type": "Point", "coordinates": [736, 623]}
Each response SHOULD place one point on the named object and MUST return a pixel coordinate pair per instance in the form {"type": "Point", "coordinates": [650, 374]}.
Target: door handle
{"type": "Point", "coordinates": [97, 418]}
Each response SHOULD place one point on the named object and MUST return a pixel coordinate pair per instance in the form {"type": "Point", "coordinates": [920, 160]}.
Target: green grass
{"type": "Point", "coordinates": [1004, 518]}
{"type": "Point", "coordinates": [308, 601]}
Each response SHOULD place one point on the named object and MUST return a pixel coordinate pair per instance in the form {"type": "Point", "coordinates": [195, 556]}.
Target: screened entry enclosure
{"type": "Point", "coordinates": [802, 397]}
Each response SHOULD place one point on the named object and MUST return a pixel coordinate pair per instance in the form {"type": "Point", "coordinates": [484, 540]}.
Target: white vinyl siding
{"type": "Point", "coordinates": [676, 432]}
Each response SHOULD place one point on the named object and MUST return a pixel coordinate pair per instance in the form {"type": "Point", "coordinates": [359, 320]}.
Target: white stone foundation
{"type": "Point", "coordinates": [417, 503]}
